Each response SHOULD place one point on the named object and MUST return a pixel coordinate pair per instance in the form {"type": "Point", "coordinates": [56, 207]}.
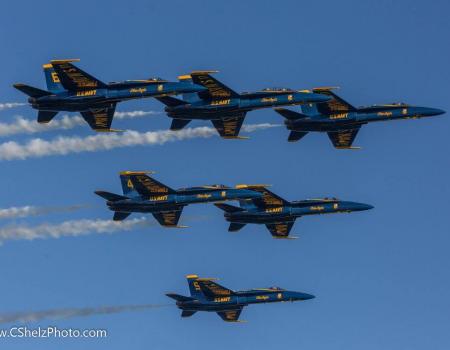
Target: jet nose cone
{"type": "Point", "coordinates": [362, 206]}
{"type": "Point", "coordinates": [435, 111]}
{"type": "Point", "coordinates": [303, 296]}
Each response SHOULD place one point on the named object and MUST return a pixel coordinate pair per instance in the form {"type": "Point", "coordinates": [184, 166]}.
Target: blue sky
{"type": "Point", "coordinates": [380, 277]}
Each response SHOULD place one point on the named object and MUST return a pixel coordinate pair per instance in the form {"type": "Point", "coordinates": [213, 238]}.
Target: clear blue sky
{"type": "Point", "coordinates": [381, 277]}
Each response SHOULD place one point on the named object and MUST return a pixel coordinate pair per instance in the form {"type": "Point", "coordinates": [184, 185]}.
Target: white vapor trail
{"type": "Point", "coordinates": [23, 125]}
{"type": "Point", "coordinates": [30, 210]}
{"type": "Point", "coordinates": [70, 228]}
{"type": "Point", "coordinates": [36, 148]}
{"type": "Point", "coordinates": [9, 105]}
{"type": "Point", "coordinates": [25, 317]}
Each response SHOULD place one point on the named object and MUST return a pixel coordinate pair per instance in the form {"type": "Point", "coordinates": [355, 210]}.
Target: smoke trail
{"type": "Point", "coordinates": [30, 210]}
{"type": "Point", "coordinates": [71, 228]}
{"type": "Point", "coordinates": [9, 105]}
{"type": "Point", "coordinates": [25, 317]}
{"type": "Point", "coordinates": [65, 145]}
{"type": "Point", "coordinates": [23, 125]}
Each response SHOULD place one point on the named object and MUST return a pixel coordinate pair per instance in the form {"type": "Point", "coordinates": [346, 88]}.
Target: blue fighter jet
{"type": "Point", "coordinates": [144, 194]}
{"type": "Point", "coordinates": [342, 121]}
{"type": "Point", "coordinates": [208, 295]}
{"type": "Point", "coordinates": [279, 214]}
{"type": "Point", "coordinates": [226, 108]}
{"type": "Point", "coordinates": [73, 90]}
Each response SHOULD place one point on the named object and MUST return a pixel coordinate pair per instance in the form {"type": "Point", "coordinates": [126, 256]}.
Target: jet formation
{"type": "Point", "coordinates": [203, 97]}
{"type": "Point", "coordinates": [279, 214]}
{"type": "Point", "coordinates": [341, 121]}
{"type": "Point", "coordinates": [208, 295]}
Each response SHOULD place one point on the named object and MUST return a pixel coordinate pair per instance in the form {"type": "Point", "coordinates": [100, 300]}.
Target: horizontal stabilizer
{"type": "Point", "coordinates": [228, 208]}
{"type": "Point", "coordinates": [171, 101]}
{"type": "Point", "coordinates": [235, 226]}
{"type": "Point", "coordinates": [179, 297]}
{"type": "Point", "coordinates": [296, 135]}
{"type": "Point", "coordinates": [31, 91]}
{"type": "Point", "coordinates": [178, 124]}
{"type": "Point", "coordinates": [186, 313]}
{"type": "Point", "coordinates": [120, 216]}
{"type": "Point", "coordinates": [291, 115]}
{"type": "Point", "coordinates": [45, 117]}
{"type": "Point", "coordinates": [110, 196]}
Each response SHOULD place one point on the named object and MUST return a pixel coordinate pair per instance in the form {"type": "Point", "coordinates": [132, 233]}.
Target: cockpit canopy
{"type": "Point", "coordinates": [276, 288]}
{"type": "Point", "coordinates": [277, 89]}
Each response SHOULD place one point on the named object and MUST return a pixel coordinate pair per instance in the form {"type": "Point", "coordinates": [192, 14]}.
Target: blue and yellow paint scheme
{"type": "Point", "coordinates": [144, 194]}
{"type": "Point", "coordinates": [207, 295]}
{"type": "Point", "coordinates": [73, 90]}
{"type": "Point", "coordinates": [226, 108]}
{"type": "Point", "coordinates": [342, 121]}
{"type": "Point", "coordinates": [279, 214]}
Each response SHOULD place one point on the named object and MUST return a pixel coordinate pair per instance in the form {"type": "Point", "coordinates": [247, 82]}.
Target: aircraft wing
{"type": "Point", "coordinates": [269, 198]}
{"type": "Point", "coordinates": [169, 218]}
{"type": "Point", "coordinates": [73, 78]}
{"type": "Point", "coordinates": [343, 138]}
{"type": "Point", "coordinates": [229, 127]}
{"type": "Point", "coordinates": [335, 105]}
{"type": "Point", "coordinates": [146, 185]}
{"type": "Point", "coordinates": [212, 289]}
{"type": "Point", "coordinates": [216, 90]}
{"type": "Point", "coordinates": [280, 229]}
{"type": "Point", "coordinates": [230, 315]}
{"type": "Point", "coordinates": [100, 119]}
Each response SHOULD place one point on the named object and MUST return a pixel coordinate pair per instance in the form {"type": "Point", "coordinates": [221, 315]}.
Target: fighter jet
{"type": "Point", "coordinates": [73, 90]}
{"type": "Point", "coordinates": [279, 214]}
{"type": "Point", "coordinates": [226, 108]}
{"type": "Point", "coordinates": [342, 121]}
{"type": "Point", "coordinates": [207, 295]}
{"type": "Point", "coordinates": [144, 194]}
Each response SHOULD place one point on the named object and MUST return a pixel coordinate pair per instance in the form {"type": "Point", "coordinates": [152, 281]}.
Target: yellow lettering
{"type": "Point", "coordinates": [274, 210]}
{"type": "Point", "coordinates": [158, 198]}
{"type": "Point", "coordinates": [220, 102]}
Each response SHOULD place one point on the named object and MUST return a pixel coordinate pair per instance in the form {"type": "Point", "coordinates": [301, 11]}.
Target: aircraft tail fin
{"type": "Point", "coordinates": [140, 183]}
{"type": "Point", "coordinates": [194, 287]}
{"type": "Point", "coordinates": [73, 78]}
{"type": "Point", "coordinates": [110, 196]}
{"type": "Point", "coordinates": [45, 117]}
{"type": "Point", "coordinates": [179, 297]}
{"type": "Point", "coordinates": [31, 91]}
{"type": "Point", "coordinates": [228, 208]}
{"type": "Point", "coordinates": [52, 78]}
